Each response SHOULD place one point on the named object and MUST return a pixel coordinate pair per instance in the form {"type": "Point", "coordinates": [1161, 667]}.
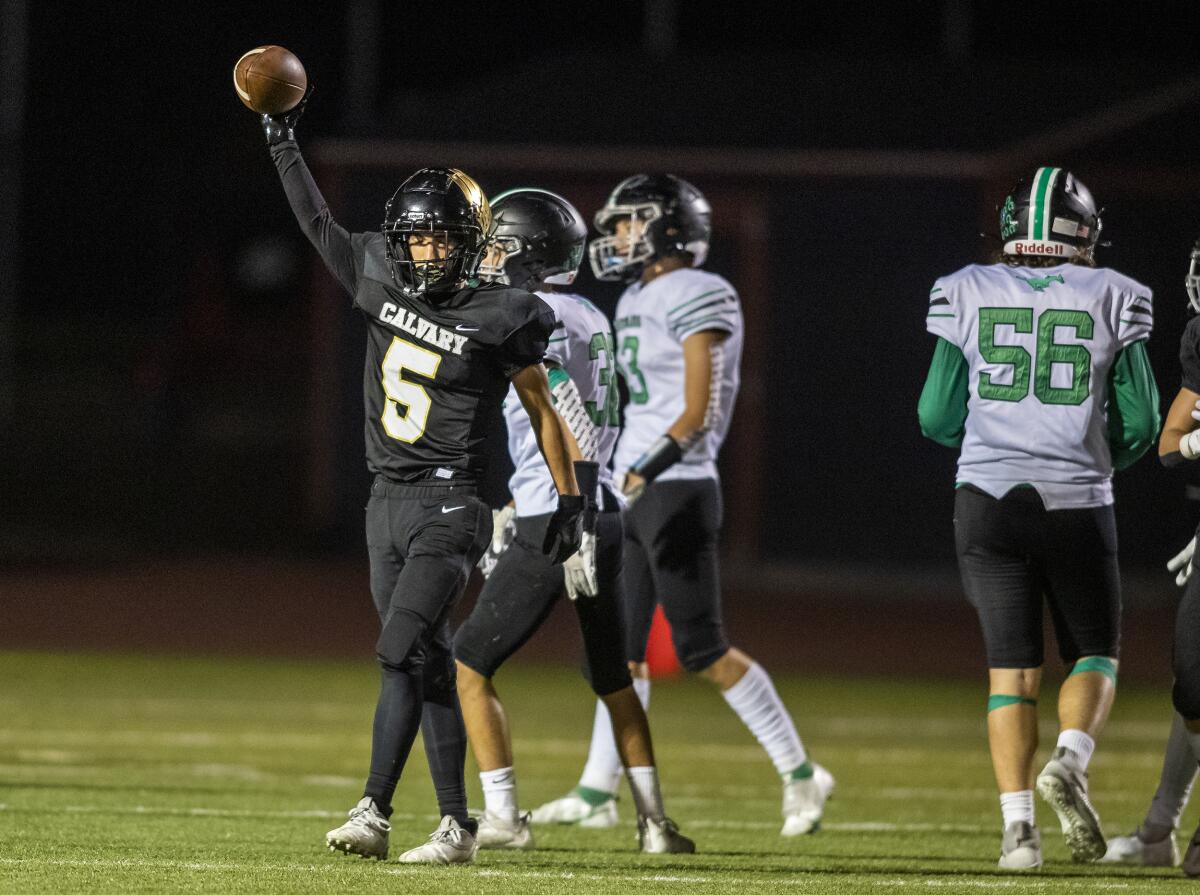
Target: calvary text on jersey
{"type": "Point", "coordinates": [421, 328]}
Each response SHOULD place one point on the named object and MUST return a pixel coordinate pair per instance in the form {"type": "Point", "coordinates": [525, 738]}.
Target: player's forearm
{"type": "Point", "coordinates": [1179, 425]}
{"type": "Point", "coordinates": [560, 450]}
{"type": "Point", "coordinates": [554, 438]}
{"type": "Point", "coordinates": [329, 238]}
{"type": "Point", "coordinates": [704, 362]}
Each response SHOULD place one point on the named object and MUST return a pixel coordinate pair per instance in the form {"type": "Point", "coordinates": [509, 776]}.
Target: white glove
{"type": "Point", "coordinates": [504, 529]}
{"type": "Point", "coordinates": [1196, 412]}
{"type": "Point", "coordinates": [580, 569]}
{"type": "Point", "coordinates": [1181, 563]}
{"type": "Point", "coordinates": [1189, 445]}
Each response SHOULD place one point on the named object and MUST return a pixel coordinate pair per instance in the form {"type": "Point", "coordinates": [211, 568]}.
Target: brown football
{"type": "Point", "coordinates": [269, 79]}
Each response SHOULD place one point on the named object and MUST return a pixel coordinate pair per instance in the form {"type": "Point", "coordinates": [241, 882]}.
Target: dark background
{"type": "Point", "coordinates": [173, 383]}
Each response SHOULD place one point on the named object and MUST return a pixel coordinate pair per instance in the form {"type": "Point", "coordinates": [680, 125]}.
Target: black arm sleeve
{"type": "Point", "coordinates": [327, 235]}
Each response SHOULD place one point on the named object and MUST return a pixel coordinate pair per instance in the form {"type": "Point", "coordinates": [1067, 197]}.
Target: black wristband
{"type": "Point", "coordinates": [660, 457]}
{"type": "Point", "coordinates": [1173, 460]}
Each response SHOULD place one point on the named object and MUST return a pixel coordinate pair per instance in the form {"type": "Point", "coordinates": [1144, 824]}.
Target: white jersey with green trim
{"type": "Point", "coordinates": [652, 322]}
{"type": "Point", "coordinates": [582, 344]}
{"type": "Point", "coordinates": [1039, 344]}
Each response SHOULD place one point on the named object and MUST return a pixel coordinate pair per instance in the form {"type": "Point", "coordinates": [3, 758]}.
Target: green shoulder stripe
{"type": "Point", "coordinates": [691, 301]}
{"type": "Point", "coordinates": [693, 325]}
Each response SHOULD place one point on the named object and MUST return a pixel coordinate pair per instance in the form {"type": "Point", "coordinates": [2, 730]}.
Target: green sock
{"type": "Point", "coordinates": [594, 797]}
{"type": "Point", "coordinates": [801, 773]}
{"type": "Point", "coordinates": [1101, 664]}
{"type": "Point", "coordinates": [999, 701]}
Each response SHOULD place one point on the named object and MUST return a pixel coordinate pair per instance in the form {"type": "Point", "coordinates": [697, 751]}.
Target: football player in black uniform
{"type": "Point", "coordinates": [441, 349]}
{"type": "Point", "coordinates": [539, 244]}
{"type": "Point", "coordinates": [1153, 843]}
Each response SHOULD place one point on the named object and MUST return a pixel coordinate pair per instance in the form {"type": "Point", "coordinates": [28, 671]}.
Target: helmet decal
{"type": "Point", "coordinates": [474, 193]}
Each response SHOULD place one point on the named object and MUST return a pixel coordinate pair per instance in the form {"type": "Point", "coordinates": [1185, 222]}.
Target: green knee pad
{"type": "Point", "coordinates": [1102, 664]}
{"type": "Point", "coordinates": [999, 701]}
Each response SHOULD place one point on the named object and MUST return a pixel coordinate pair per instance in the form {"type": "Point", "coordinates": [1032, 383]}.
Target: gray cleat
{"type": "Point", "coordinates": [500, 832]}
{"type": "Point", "coordinates": [365, 833]}
{"type": "Point", "coordinates": [1137, 849]}
{"type": "Point", "coordinates": [1021, 848]}
{"type": "Point", "coordinates": [1066, 791]}
{"type": "Point", "coordinates": [1191, 858]}
{"type": "Point", "coordinates": [450, 843]}
{"type": "Point", "coordinates": [662, 837]}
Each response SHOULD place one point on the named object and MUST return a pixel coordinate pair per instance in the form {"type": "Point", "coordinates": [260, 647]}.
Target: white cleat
{"type": "Point", "coordinates": [450, 843]}
{"type": "Point", "coordinates": [365, 833]}
{"type": "Point", "coordinates": [1021, 848]}
{"type": "Point", "coordinates": [804, 802]}
{"type": "Point", "coordinates": [499, 832]}
{"type": "Point", "coordinates": [1066, 791]}
{"type": "Point", "coordinates": [574, 809]}
{"type": "Point", "coordinates": [662, 837]}
{"type": "Point", "coordinates": [1133, 849]}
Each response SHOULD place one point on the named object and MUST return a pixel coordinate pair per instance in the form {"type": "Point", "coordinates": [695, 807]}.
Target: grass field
{"type": "Point", "coordinates": [135, 774]}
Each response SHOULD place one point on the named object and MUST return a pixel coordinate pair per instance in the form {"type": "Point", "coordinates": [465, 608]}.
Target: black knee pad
{"type": "Point", "coordinates": [1186, 692]}
{"type": "Point", "coordinates": [401, 644]}
{"type": "Point", "coordinates": [608, 679]}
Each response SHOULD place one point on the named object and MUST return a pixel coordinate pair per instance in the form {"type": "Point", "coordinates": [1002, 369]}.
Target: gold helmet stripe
{"type": "Point", "coordinates": [475, 195]}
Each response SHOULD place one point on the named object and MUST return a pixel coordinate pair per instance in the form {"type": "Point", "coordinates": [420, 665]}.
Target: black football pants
{"type": "Point", "coordinates": [521, 592]}
{"type": "Point", "coordinates": [423, 541]}
{"type": "Point", "coordinates": [1013, 553]}
{"type": "Point", "coordinates": [671, 546]}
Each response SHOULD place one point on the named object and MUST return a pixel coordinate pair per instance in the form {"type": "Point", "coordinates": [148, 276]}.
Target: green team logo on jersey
{"type": "Point", "coordinates": [1040, 284]}
{"type": "Point", "coordinates": [1008, 223]}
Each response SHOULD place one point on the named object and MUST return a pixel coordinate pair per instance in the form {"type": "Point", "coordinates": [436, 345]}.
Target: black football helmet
{"type": "Point", "coordinates": [675, 217]}
{"type": "Point", "coordinates": [1051, 216]}
{"type": "Point", "coordinates": [1192, 282]}
{"type": "Point", "coordinates": [538, 237]}
{"type": "Point", "coordinates": [440, 202]}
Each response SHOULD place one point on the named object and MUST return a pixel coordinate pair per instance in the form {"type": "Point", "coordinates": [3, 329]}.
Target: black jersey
{"type": "Point", "coordinates": [431, 368]}
{"type": "Point", "coordinates": [1189, 355]}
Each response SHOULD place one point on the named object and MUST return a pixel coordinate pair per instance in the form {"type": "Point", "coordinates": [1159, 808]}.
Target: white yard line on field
{"type": "Point", "coordinates": [813, 879]}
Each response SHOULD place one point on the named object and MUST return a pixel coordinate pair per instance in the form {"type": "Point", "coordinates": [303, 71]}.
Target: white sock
{"type": "Point", "coordinates": [500, 792]}
{"type": "Point", "coordinates": [603, 769]}
{"type": "Point", "coordinates": [1081, 745]}
{"type": "Point", "coordinates": [1175, 782]}
{"type": "Point", "coordinates": [760, 708]}
{"type": "Point", "coordinates": [1017, 806]}
{"type": "Point", "coordinates": [647, 798]}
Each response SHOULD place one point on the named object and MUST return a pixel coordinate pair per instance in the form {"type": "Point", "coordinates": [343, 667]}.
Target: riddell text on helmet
{"type": "Point", "coordinates": [1039, 248]}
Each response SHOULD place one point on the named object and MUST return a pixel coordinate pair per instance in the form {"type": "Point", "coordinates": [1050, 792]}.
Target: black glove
{"type": "Point", "coordinates": [281, 127]}
{"type": "Point", "coordinates": [564, 532]}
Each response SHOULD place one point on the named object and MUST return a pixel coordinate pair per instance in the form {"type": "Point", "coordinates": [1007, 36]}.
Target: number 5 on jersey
{"type": "Point", "coordinates": [397, 390]}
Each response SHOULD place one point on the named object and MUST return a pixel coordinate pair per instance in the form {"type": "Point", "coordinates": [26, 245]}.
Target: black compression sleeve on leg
{"type": "Point", "coordinates": [397, 718]}
{"type": "Point", "coordinates": [445, 737]}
